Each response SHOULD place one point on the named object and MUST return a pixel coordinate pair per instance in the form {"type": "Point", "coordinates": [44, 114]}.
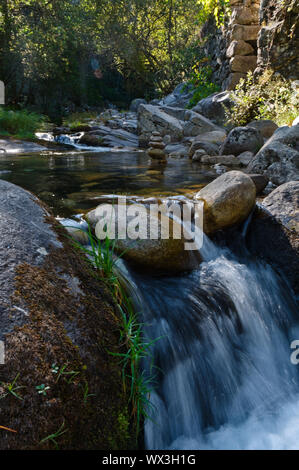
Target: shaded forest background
{"type": "Point", "coordinates": [60, 53]}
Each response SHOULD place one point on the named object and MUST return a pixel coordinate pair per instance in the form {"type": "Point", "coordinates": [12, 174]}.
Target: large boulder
{"type": "Point", "coordinates": [154, 119]}
{"type": "Point", "coordinates": [120, 137]}
{"type": "Point", "coordinates": [274, 231]}
{"type": "Point", "coordinates": [55, 315]}
{"type": "Point", "coordinates": [242, 139]}
{"type": "Point", "coordinates": [283, 204]}
{"type": "Point", "coordinates": [159, 253]}
{"type": "Point", "coordinates": [20, 146]}
{"type": "Point", "coordinates": [228, 200]}
{"type": "Point", "coordinates": [178, 113]}
{"type": "Point", "coordinates": [196, 124]}
{"type": "Point", "coordinates": [213, 107]}
{"type": "Point", "coordinates": [265, 126]}
{"type": "Point", "coordinates": [278, 159]}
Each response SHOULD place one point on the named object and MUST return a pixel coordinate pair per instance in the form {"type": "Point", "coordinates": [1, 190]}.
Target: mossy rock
{"type": "Point", "coordinates": [55, 315]}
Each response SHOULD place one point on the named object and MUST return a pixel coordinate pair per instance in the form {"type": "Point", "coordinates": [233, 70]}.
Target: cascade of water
{"type": "Point", "coordinates": [224, 378]}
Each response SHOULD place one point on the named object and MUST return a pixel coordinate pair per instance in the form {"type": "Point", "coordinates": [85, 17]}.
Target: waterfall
{"type": "Point", "coordinates": [223, 376]}
{"type": "Point", "coordinates": [221, 370]}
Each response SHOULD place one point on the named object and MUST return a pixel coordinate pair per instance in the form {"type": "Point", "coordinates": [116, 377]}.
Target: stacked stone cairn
{"type": "Point", "coordinates": [156, 147]}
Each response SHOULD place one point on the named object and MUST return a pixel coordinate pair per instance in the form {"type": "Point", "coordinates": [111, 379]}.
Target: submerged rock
{"type": "Point", "coordinates": [228, 200]}
{"type": "Point", "coordinates": [55, 313]}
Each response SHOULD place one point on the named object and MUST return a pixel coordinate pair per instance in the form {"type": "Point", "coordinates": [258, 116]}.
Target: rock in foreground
{"type": "Point", "coordinates": [157, 253]}
{"type": "Point", "coordinates": [54, 315]}
{"type": "Point", "coordinates": [228, 200]}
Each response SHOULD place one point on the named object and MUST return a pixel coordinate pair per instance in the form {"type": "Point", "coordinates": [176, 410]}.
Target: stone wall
{"type": "Point", "coordinates": [278, 42]}
{"type": "Point", "coordinates": [243, 30]}
{"type": "Point", "coordinates": [258, 34]}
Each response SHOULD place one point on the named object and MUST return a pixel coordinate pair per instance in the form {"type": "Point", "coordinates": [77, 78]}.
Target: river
{"type": "Point", "coordinates": [223, 378]}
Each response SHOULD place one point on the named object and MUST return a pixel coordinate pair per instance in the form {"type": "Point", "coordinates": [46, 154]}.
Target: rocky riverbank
{"type": "Point", "coordinates": [59, 325]}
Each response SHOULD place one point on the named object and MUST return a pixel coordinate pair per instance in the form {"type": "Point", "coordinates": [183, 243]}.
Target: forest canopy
{"type": "Point", "coordinates": [86, 51]}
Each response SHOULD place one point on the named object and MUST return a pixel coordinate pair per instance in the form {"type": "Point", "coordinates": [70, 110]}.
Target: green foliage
{"type": "Point", "coordinates": [68, 375]}
{"type": "Point", "coordinates": [22, 124]}
{"type": "Point", "coordinates": [53, 437]}
{"type": "Point", "coordinates": [79, 119]}
{"type": "Point", "coordinates": [201, 81]}
{"type": "Point", "coordinates": [218, 8]}
{"type": "Point", "coordinates": [268, 97]}
{"type": "Point", "coordinates": [54, 52]}
{"type": "Point", "coordinates": [12, 388]}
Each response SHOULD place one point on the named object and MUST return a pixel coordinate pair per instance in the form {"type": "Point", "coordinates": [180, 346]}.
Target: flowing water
{"type": "Point", "coordinates": [221, 369]}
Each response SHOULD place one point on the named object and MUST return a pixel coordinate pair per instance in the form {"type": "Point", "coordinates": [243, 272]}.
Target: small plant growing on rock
{"type": "Point", "coordinates": [11, 388]}
{"type": "Point", "coordinates": [101, 255]}
{"type": "Point", "coordinates": [42, 389]}
{"type": "Point", "coordinates": [62, 371]}
{"type": "Point", "coordinates": [54, 436]}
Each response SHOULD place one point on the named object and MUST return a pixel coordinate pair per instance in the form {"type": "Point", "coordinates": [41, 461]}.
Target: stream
{"type": "Point", "coordinates": [221, 372]}
{"type": "Point", "coordinates": [221, 368]}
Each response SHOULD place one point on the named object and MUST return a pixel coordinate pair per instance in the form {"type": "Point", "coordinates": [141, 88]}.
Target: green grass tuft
{"type": "Point", "coordinates": [21, 124]}
{"type": "Point", "coordinates": [101, 255]}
